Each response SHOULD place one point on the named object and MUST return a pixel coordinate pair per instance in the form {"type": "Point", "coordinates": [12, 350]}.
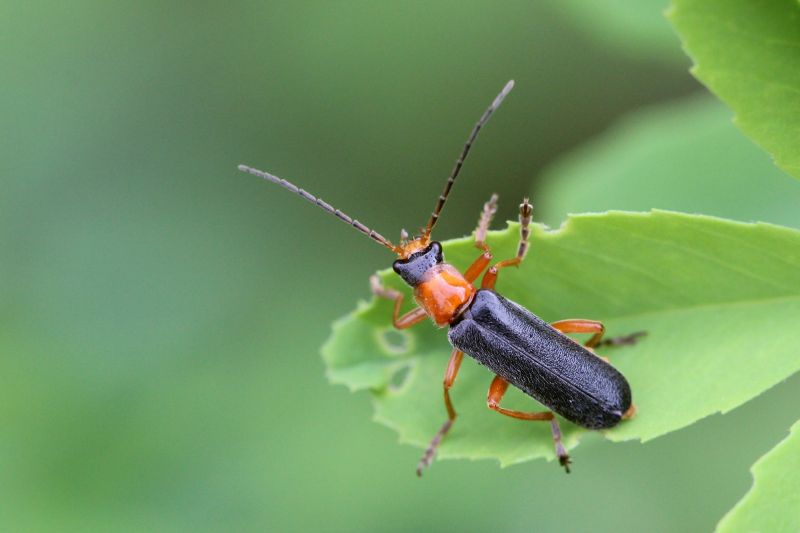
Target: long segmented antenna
{"type": "Point", "coordinates": [374, 235]}
{"type": "Point", "coordinates": [460, 161]}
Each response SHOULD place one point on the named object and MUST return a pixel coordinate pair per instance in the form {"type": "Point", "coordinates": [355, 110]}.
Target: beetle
{"type": "Point", "coordinates": [520, 348]}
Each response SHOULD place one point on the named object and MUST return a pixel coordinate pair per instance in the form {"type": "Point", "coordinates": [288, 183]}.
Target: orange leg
{"type": "Point", "coordinates": [596, 327]}
{"type": "Point", "coordinates": [449, 379]}
{"type": "Point", "coordinates": [415, 316]}
{"type": "Point", "coordinates": [475, 269]}
{"type": "Point", "coordinates": [498, 389]}
{"type": "Point", "coordinates": [582, 326]}
{"type": "Point", "coordinates": [525, 211]}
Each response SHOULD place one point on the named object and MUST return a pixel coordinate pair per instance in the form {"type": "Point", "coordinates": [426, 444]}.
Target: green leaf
{"type": "Point", "coordinates": [773, 502]}
{"type": "Point", "coordinates": [719, 300]}
{"type": "Point", "coordinates": [684, 156]}
{"type": "Point", "coordinates": [747, 53]}
{"type": "Point", "coordinates": [636, 29]}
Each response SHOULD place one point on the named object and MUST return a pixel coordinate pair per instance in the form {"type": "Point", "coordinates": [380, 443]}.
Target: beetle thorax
{"type": "Point", "coordinates": [443, 293]}
{"type": "Point", "coordinates": [439, 288]}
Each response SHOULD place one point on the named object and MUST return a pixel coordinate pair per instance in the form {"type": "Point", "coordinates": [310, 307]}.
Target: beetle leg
{"type": "Point", "coordinates": [596, 327]}
{"type": "Point", "coordinates": [477, 266]}
{"type": "Point", "coordinates": [525, 211]}
{"type": "Point", "coordinates": [582, 326]}
{"type": "Point", "coordinates": [449, 378]}
{"type": "Point", "coordinates": [498, 389]}
{"type": "Point", "coordinates": [489, 209]}
{"type": "Point", "coordinates": [561, 452]}
{"type": "Point", "coordinates": [414, 316]}
{"type": "Point", "coordinates": [623, 340]}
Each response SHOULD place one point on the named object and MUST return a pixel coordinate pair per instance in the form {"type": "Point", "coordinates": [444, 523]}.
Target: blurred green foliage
{"type": "Point", "coordinates": [746, 53]}
{"type": "Point", "coordinates": [684, 156]}
{"type": "Point", "coordinates": [636, 29]}
{"type": "Point", "coordinates": [161, 314]}
{"type": "Point", "coordinates": [773, 502]}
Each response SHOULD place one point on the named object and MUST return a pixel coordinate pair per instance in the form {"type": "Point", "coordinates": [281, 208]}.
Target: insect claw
{"type": "Point", "coordinates": [565, 461]}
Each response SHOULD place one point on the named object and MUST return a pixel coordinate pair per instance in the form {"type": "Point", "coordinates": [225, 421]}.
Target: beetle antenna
{"type": "Point", "coordinates": [374, 235]}
{"type": "Point", "coordinates": [464, 152]}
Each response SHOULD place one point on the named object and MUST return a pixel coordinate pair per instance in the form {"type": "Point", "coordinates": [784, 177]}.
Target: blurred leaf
{"type": "Point", "coordinates": [773, 502]}
{"type": "Point", "coordinates": [637, 29]}
{"type": "Point", "coordinates": [685, 156]}
{"type": "Point", "coordinates": [719, 300]}
{"type": "Point", "coordinates": [747, 54]}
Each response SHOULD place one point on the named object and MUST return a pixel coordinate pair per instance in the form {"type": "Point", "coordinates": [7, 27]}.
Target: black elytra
{"type": "Point", "coordinates": [530, 354]}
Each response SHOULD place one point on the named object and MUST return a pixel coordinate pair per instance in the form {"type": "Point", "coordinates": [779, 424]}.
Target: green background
{"type": "Point", "coordinates": [161, 313]}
